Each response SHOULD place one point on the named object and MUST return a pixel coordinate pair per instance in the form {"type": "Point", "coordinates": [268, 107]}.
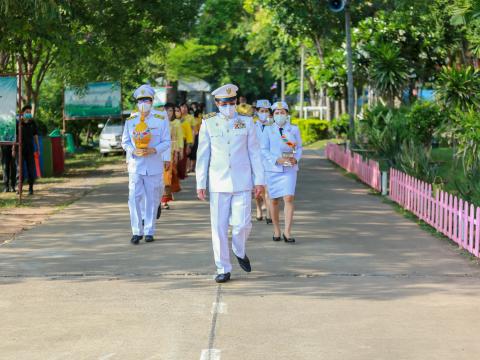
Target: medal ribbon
{"type": "Point", "coordinates": [286, 141]}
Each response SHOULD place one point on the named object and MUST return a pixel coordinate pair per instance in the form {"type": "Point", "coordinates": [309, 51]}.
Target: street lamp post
{"type": "Point", "coordinates": [337, 6]}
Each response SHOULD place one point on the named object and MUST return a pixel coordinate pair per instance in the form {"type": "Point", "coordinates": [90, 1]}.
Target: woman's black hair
{"type": "Point", "coordinates": [26, 107]}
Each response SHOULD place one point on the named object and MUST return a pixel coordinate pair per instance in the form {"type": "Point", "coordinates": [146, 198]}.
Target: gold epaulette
{"type": "Point", "coordinates": [158, 116]}
{"type": "Point", "coordinates": [245, 110]}
{"type": "Point", "coordinates": [209, 115]}
{"type": "Point", "coordinates": [132, 116]}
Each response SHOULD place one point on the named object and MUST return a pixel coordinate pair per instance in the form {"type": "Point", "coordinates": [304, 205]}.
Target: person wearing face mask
{"type": "Point", "coordinates": [263, 121]}
{"type": "Point", "coordinates": [146, 137]}
{"type": "Point", "coordinates": [282, 150]}
{"type": "Point", "coordinates": [30, 145]}
{"type": "Point", "coordinates": [229, 157]}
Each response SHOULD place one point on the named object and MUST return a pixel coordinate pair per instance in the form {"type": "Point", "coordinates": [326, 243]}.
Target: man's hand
{"type": "Point", "coordinates": [166, 165]}
{"type": "Point", "coordinates": [150, 151]}
{"type": "Point", "coordinates": [202, 194]}
{"type": "Point", "coordinates": [139, 152]}
{"type": "Point", "coordinates": [281, 160]}
{"type": "Point", "coordinates": [259, 189]}
{"type": "Point", "coordinates": [293, 161]}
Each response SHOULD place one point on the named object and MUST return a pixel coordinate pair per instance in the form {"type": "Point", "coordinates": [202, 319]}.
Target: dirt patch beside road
{"type": "Point", "coordinates": [84, 172]}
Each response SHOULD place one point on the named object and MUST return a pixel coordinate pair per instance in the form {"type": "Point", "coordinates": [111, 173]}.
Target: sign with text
{"type": "Point", "coordinates": [97, 100]}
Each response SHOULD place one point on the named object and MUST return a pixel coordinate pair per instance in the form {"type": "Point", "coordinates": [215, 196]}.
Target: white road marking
{"type": "Point", "coordinates": [210, 354]}
{"type": "Point", "coordinates": [219, 308]}
{"type": "Point", "coordinates": [108, 356]}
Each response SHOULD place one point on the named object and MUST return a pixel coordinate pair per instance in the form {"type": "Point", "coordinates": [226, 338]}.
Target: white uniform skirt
{"type": "Point", "coordinates": [281, 183]}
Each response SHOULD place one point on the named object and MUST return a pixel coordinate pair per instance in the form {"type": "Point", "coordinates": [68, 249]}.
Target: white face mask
{"type": "Point", "coordinates": [280, 119]}
{"type": "Point", "coordinates": [263, 117]}
{"type": "Point", "coordinates": [144, 107]}
{"type": "Point", "coordinates": [228, 110]}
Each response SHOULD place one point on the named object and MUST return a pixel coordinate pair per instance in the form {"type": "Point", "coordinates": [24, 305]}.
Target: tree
{"type": "Point", "coordinates": [95, 45]}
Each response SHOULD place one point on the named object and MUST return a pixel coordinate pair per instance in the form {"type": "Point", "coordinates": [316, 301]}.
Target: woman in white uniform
{"type": "Point", "coordinates": [263, 120]}
{"type": "Point", "coordinates": [281, 150]}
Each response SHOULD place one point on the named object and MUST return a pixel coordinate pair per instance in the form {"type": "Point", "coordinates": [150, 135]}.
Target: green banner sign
{"type": "Point", "coordinates": [97, 100]}
{"type": "Point", "coordinates": [8, 108]}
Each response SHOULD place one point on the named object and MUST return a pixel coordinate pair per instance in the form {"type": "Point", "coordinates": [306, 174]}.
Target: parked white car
{"type": "Point", "coordinates": [111, 136]}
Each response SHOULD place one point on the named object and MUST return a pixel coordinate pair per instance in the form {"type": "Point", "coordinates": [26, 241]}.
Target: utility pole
{"type": "Point", "coordinates": [302, 79]}
{"type": "Point", "coordinates": [282, 85]}
{"type": "Point", "coordinates": [351, 90]}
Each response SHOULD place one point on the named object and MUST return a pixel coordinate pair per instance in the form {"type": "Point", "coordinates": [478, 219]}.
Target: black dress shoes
{"type": "Point", "coordinates": [149, 238]}
{"type": "Point", "coordinates": [136, 239]}
{"type": "Point", "coordinates": [288, 240]}
{"type": "Point", "coordinates": [244, 263]}
{"type": "Point", "coordinates": [276, 238]}
{"type": "Point", "coordinates": [221, 278]}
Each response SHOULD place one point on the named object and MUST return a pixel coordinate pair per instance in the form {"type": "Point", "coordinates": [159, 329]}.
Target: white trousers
{"type": "Point", "coordinates": [229, 209]}
{"type": "Point", "coordinates": [143, 200]}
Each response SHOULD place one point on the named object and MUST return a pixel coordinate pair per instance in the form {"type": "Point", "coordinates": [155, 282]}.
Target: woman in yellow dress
{"type": "Point", "coordinates": [170, 175]}
{"type": "Point", "coordinates": [188, 140]}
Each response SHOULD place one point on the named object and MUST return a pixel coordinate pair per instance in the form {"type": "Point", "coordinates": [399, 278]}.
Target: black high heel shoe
{"type": "Point", "coordinates": [268, 221]}
{"type": "Point", "coordinates": [288, 240]}
{"type": "Point", "coordinates": [275, 238]}
{"type": "Point", "coordinates": [260, 218]}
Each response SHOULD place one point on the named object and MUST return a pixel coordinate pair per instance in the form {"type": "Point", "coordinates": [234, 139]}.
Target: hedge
{"type": "Point", "coordinates": [312, 130]}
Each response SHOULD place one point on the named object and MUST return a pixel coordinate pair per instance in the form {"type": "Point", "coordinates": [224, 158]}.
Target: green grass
{"type": "Point", "coordinates": [12, 201]}
{"type": "Point", "coordinates": [447, 174]}
{"type": "Point", "coordinates": [321, 144]}
{"type": "Point", "coordinates": [89, 161]}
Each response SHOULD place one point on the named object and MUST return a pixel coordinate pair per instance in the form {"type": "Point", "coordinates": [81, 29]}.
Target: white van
{"type": "Point", "coordinates": [111, 136]}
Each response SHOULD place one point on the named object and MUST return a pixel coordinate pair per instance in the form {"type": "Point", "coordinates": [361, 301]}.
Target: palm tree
{"type": "Point", "coordinates": [388, 72]}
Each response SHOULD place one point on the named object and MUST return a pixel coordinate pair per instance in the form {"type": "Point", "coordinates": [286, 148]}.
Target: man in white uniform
{"type": "Point", "coordinates": [229, 156]}
{"type": "Point", "coordinates": [145, 163]}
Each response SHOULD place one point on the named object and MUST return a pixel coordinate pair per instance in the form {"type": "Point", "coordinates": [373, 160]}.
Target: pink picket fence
{"type": "Point", "coordinates": [453, 217]}
{"type": "Point", "coordinates": [368, 171]}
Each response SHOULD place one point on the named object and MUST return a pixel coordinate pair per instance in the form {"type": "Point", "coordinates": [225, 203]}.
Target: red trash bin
{"type": "Point", "coordinates": [58, 156]}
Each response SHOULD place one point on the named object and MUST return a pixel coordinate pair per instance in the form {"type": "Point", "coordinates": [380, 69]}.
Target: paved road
{"type": "Point", "coordinates": [361, 283]}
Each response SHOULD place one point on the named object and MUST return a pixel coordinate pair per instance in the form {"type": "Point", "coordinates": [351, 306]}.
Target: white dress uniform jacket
{"type": "Point", "coordinates": [146, 172]}
{"type": "Point", "coordinates": [273, 146]}
{"type": "Point", "coordinates": [228, 155]}
{"type": "Point", "coordinates": [160, 129]}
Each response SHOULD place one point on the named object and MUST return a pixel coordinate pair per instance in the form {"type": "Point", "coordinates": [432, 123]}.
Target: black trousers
{"type": "Point", "coordinates": [9, 167]}
{"type": "Point", "coordinates": [29, 160]}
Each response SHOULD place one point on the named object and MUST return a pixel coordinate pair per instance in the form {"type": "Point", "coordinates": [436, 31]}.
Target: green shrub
{"type": "Point", "coordinates": [384, 130]}
{"type": "Point", "coordinates": [416, 160]}
{"type": "Point", "coordinates": [423, 119]}
{"type": "Point", "coordinates": [340, 126]}
{"type": "Point", "coordinates": [458, 88]}
{"type": "Point", "coordinates": [312, 130]}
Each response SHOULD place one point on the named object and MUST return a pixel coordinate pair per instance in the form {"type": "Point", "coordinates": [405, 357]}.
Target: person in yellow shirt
{"type": "Point", "coordinates": [170, 174]}
{"type": "Point", "coordinates": [186, 122]}
{"type": "Point", "coordinates": [197, 115]}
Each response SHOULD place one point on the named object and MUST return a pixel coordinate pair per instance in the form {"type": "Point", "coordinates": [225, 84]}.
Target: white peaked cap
{"type": "Point", "coordinates": [144, 91]}
{"type": "Point", "coordinates": [279, 105]}
{"type": "Point", "coordinates": [263, 104]}
{"type": "Point", "coordinates": [225, 92]}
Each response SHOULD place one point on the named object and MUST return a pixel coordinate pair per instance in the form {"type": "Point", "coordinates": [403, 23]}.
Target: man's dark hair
{"type": "Point", "coordinates": [169, 105]}
{"type": "Point", "coordinates": [26, 107]}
